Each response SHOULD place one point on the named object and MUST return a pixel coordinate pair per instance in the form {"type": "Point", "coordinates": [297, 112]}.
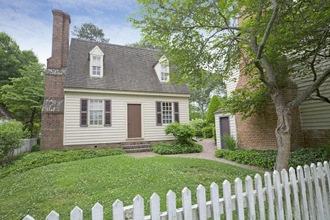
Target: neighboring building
{"type": "Point", "coordinates": [310, 121]}
{"type": "Point", "coordinates": [101, 95]}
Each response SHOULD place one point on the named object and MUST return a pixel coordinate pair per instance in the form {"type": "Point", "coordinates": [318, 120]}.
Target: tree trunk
{"type": "Point", "coordinates": [282, 131]}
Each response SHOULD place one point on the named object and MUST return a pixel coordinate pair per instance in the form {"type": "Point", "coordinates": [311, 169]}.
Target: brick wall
{"type": "Point", "coordinates": [316, 138]}
{"type": "Point", "coordinates": [258, 132]}
{"type": "Point", "coordinates": [52, 119]}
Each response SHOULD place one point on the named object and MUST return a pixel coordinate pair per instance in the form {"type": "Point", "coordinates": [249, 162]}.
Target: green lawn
{"type": "Point", "coordinates": [82, 183]}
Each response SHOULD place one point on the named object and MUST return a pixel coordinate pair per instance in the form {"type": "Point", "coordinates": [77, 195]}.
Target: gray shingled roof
{"type": "Point", "coordinates": [125, 68]}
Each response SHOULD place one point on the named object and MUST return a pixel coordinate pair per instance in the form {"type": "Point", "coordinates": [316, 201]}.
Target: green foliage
{"type": "Point", "coordinates": [28, 161]}
{"type": "Point", "coordinates": [12, 58]}
{"type": "Point", "coordinates": [208, 131]}
{"type": "Point", "coordinates": [198, 124]}
{"type": "Point", "coordinates": [145, 45]}
{"type": "Point", "coordinates": [229, 141]}
{"type": "Point", "coordinates": [89, 31]}
{"type": "Point", "coordinates": [167, 148]}
{"type": "Point", "coordinates": [266, 159]}
{"type": "Point", "coordinates": [35, 148]}
{"type": "Point", "coordinates": [11, 134]}
{"type": "Point", "coordinates": [213, 106]}
{"type": "Point", "coordinates": [183, 133]}
{"type": "Point", "coordinates": [24, 97]}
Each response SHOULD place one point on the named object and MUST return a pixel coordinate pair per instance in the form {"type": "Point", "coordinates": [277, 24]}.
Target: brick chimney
{"type": "Point", "coordinates": [52, 120]}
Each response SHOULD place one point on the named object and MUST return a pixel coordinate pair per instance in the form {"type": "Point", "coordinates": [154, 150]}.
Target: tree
{"type": "Point", "coordinates": [145, 44]}
{"type": "Point", "coordinates": [12, 58]}
{"type": "Point", "coordinates": [89, 31]}
{"type": "Point", "coordinates": [272, 41]}
{"type": "Point", "coordinates": [213, 106]}
{"type": "Point", "coordinates": [24, 97]}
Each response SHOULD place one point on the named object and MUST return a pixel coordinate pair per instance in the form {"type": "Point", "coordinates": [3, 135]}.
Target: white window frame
{"type": "Point", "coordinates": [96, 66]}
{"type": "Point", "coordinates": [95, 109]}
{"type": "Point", "coordinates": [96, 52]}
{"type": "Point", "coordinates": [167, 112]}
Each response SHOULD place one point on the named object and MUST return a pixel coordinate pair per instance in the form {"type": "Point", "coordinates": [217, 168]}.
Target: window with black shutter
{"type": "Point", "coordinates": [83, 112]}
{"type": "Point", "coordinates": [176, 111]}
{"type": "Point", "coordinates": [107, 112]}
{"type": "Point", "coordinates": [158, 113]}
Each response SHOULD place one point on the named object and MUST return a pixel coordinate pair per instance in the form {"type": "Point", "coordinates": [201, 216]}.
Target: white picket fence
{"type": "Point", "coordinates": [301, 194]}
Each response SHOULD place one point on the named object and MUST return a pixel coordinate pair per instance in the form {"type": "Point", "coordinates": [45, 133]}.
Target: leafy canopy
{"type": "Point", "coordinates": [89, 31]}
{"type": "Point", "coordinates": [214, 105]}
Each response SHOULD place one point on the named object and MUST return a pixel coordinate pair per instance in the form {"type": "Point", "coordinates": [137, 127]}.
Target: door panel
{"type": "Point", "coordinates": [134, 120]}
{"type": "Point", "coordinates": [224, 129]}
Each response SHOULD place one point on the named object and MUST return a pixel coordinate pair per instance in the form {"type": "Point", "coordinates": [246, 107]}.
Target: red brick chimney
{"type": "Point", "coordinates": [52, 119]}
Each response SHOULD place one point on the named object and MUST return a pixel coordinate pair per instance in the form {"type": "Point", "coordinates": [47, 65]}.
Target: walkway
{"type": "Point", "coordinates": [208, 153]}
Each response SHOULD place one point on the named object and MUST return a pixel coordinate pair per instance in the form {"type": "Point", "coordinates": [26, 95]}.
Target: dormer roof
{"type": "Point", "coordinates": [125, 68]}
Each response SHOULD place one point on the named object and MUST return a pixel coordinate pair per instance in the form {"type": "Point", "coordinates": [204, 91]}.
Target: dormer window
{"type": "Point", "coordinates": [162, 69]}
{"type": "Point", "coordinates": [96, 62]}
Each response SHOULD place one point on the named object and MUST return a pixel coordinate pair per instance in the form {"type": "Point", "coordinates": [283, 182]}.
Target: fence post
{"type": "Point", "coordinates": [227, 199]}
{"type": "Point", "coordinates": [201, 202]}
{"type": "Point", "coordinates": [239, 199]}
{"type": "Point", "coordinates": [215, 201]}
{"type": "Point", "coordinates": [171, 205]}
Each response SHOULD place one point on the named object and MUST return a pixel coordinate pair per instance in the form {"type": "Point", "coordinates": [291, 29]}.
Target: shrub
{"type": "Point", "coordinates": [208, 131]}
{"type": "Point", "coordinates": [267, 158]}
{"type": "Point", "coordinates": [167, 148]}
{"type": "Point", "coordinates": [198, 124]}
{"type": "Point", "coordinates": [229, 141]}
{"type": "Point", "coordinates": [213, 106]}
{"type": "Point", "coordinates": [11, 134]}
{"type": "Point", "coordinates": [183, 133]}
{"type": "Point", "coordinates": [35, 148]}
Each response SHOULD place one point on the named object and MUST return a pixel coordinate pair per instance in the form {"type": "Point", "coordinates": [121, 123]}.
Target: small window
{"type": "Point", "coordinates": [163, 73]}
{"type": "Point", "coordinates": [96, 66]}
{"type": "Point", "coordinates": [167, 112]}
{"type": "Point", "coordinates": [95, 112]}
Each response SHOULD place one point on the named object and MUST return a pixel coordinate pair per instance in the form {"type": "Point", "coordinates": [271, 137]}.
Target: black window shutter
{"type": "Point", "coordinates": [158, 113]}
{"type": "Point", "coordinates": [176, 111]}
{"type": "Point", "coordinates": [83, 112]}
{"type": "Point", "coordinates": [107, 112]}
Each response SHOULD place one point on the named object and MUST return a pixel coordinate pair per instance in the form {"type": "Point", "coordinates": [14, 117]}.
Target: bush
{"type": "Point", "coordinates": [229, 141]}
{"type": "Point", "coordinates": [208, 131]}
{"type": "Point", "coordinates": [198, 124]}
{"type": "Point", "coordinates": [183, 133]}
{"type": "Point", "coordinates": [11, 134]}
{"type": "Point", "coordinates": [214, 105]}
{"type": "Point", "coordinates": [267, 158]}
{"type": "Point", "coordinates": [167, 148]}
{"type": "Point", "coordinates": [28, 161]}
{"type": "Point", "coordinates": [35, 148]}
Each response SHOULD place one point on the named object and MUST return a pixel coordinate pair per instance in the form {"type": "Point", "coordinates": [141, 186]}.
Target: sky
{"type": "Point", "coordinates": [29, 22]}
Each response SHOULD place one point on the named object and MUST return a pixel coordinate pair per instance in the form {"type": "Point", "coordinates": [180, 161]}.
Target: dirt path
{"type": "Point", "coordinates": [208, 153]}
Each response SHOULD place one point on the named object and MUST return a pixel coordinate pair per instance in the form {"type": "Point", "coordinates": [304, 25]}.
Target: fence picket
{"type": "Point", "coordinates": [28, 217]}
{"type": "Point", "coordinates": [118, 210]}
{"type": "Point", "coordinates": [286, 192]}
{"type": "Point", "coordinates": [324, 194]}
{"type": "Point", "coordinates": [294, 190]}
{"type": "Point", "coordinates": [239, 199]}
{"type": "Point", "coordinates": [76, 214]}
{"type": "Point", "coordinates": [327, 174]}
{"type": "Point", "coordinates": [97, 212]}
{"type": "Point", "coordinates": [171, 205]}
{"type": "Point", "coordinates": [310, 194]}
{"type": "Point", "coordinates": [215, 201]}
{"type": "Point", "coordinates": [278, 195]}
{"type": "Point", "coordinates": [269, 196]}
{"type": "Point", "coordinates": [155, 207]}
{"type": "Point", "coordinates": [260, 196]}
{"type": "Point", "coordinates": [138, 208]}
{"type": "Point", "coordinates": [227, 199]}
{"type": "Point", "coordinates": [53, 216]}
{"type": "Point", "coordinates": [186, 204]}
{"type": "Point", "coordinates": [319, 202]}
{"type": "Point", "coordinates": [201, 202]}
{"type": "Point", "coordinates": [250, 198]}
{"type": "Point", "coordinates": [302, 192]}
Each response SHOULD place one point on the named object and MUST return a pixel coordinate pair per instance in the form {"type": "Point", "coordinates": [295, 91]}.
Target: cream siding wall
{"type": "Point", "coordinates": [231, 84]}
{"type": "Point", "coordinates": [314, 114]}
{"type": "Point", "coordinates": [76, 135]}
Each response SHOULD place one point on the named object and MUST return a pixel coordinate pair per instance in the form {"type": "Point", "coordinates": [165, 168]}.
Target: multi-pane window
{"type": "Point", "coordinates": [167, 112]}
{"type": "Point", "coordinates": [163, 72]}
{"type": "Point", "coordinates": [96, 67]}
{"type": "Point", "coordinates": [95, 112]}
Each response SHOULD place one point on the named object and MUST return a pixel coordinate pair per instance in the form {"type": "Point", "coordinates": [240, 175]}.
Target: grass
{"type": "Point", "coordinates": [82, 183]}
